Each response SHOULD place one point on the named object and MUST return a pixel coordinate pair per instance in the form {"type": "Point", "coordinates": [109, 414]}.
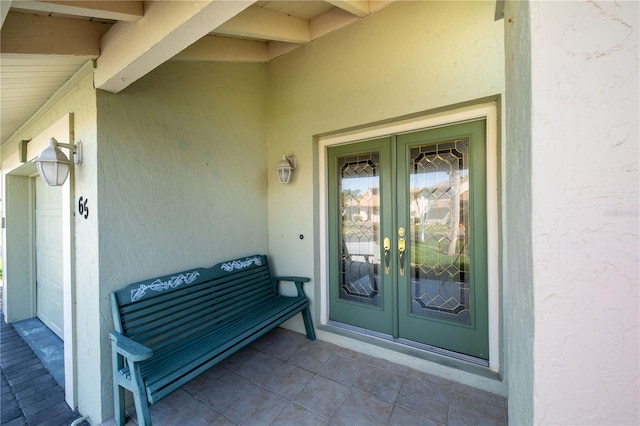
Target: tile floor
{"type": "Point", "coordinates": [285, 379]}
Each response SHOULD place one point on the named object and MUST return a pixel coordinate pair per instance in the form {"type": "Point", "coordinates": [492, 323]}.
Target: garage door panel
{"type": "Point", "coordinates": [49, 231]}
{"type": "Point", "coordinates": [49, 261]}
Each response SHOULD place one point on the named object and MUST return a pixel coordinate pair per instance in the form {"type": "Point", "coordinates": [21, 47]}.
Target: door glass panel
{"type": "Point", "coordinates": [440, 234]}
{"type": "Point", "coordinates": [359, 227]}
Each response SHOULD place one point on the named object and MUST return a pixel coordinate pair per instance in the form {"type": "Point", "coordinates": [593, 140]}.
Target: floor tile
{"type": "Point", "coordinates": [258, 407]}
{"type": "Point", "coordinates": [259, 367]}
{"type": "Point", "coordinates": [388, 365]}
{"type": "Point", "coordinates": [479, 395]}
{"type": "Point", "coordinates": [343, 369]}
{"type": "Point", "coordinates": [427, 398]}
{"type": "Point", "coordinates": [403, 417]}
{"type": "Point", "coordinates": [172, 409]}
{"type": "Point", "coordinates": [380, 383]}
{"type": "Point", "coordinates": [219, 388]}
{"type": "Point", "coordinates": [466, 410]}
{"type": "Point", "coordinates": [322, 396]}
{"type": "Point", "coordinates": [281, 343]}
{"type": "Point", "coordinates": [294, 414]}
{"type": "Point", "coordinates": [312, 356]}
{"type": "Point", "coordinates": [237, 359]}
{"type": "Point", "coordinates": [429, 378]}
{"type": "Point", "coordinates": [362, 409]}
{"type": "Point", "coordinates": [353, 354]}
{"type": "Point", "coordinates": [288, 380]}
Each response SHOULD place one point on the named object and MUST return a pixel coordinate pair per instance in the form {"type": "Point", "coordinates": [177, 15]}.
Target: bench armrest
{"type": "Point", "coordinates": [298, 282]}
{"type": "Point", "coordinates": [129, 348]}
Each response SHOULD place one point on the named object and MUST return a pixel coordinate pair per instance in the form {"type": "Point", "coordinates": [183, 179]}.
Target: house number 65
{"type": "Point", "coordinates": [83, 209]}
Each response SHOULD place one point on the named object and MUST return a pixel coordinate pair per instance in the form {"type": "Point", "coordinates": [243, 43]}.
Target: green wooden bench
{"type": "Point", "coordinates": [170, 329]}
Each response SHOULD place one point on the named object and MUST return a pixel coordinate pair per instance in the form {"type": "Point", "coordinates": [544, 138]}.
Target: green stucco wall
{"type": "Point", "coordinates": [518, 257]}
{"type": "Point", "coordinates": [182, 176]}
{"type": "Point", "coordinates": [405, 59]}
{"type": "Point", "coordinates": [408, 58]}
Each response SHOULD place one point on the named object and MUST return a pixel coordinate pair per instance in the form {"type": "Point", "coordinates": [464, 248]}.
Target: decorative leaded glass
{"type": "Point", "coordinates": [359, 225]}
{"type": "Point", "coordinates": [439, 212]}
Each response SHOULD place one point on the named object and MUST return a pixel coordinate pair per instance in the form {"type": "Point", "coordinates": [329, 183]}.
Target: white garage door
{"type": "Point", "coordinates": [49, 256]}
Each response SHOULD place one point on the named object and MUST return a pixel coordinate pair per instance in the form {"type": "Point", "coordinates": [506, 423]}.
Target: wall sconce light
{"type": "Point", "coordinates": [285, 168]}
{"type": "Point", "coordinates": [53, 165]}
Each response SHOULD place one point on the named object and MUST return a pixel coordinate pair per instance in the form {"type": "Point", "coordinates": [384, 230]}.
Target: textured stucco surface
{"type": "Point", "coordinates": [408, 58]}
{"type": "Point", "coordinates": [517, 252]}
{"type": "Point", "coordinates": [182, 172]}
{"type": "Point", "coordinates": [183, 169]}
{"type": "Point", "coordinates": [404, 59]}
{"type": "Point", "coordinates": [584, 193]}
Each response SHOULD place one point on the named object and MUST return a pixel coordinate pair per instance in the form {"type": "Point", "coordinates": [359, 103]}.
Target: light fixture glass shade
{"type": "Point", "coordinates": [284, 170]}
{"type": "Point", "coordinates": [53, 165]}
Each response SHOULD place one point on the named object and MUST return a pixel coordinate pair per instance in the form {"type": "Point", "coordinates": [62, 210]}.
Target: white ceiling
{"type": "Point", "coordinates": [44, 43]}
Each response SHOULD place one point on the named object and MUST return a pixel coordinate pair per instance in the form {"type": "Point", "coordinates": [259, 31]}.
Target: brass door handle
{"type": "Point", "coordinates": [387, 255]}
{"type": "Point", "coordinates": [401, 249]}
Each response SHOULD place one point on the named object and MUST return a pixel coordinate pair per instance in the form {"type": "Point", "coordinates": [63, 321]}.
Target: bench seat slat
{"type": "Point", "coordinates": [178, 326]}
{"type": "Point", "coordinates": [182, 321]}
{"type": "Point", "coordinates": [149, 309]}
{"type": "Point", "coordinates": [190, 321]}
{"type": "Point", "coordinates": [203, 346]}
{"type": "Point", "coordinates": [199, 291]}
{"type": "Point", "coordinates": [221, 329]}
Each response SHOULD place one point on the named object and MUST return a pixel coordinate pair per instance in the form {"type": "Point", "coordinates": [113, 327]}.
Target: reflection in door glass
{"type": "Point", "coordinates": [439, 215]}
{"type": "Point", "coordinates": [359, 227]}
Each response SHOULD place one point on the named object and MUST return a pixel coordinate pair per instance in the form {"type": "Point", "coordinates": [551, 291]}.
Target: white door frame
{"type": "Point", "coordinates": [489, 111]}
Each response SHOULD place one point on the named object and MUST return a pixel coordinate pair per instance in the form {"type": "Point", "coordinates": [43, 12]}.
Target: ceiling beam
{"type": "Point", "coordinates": [264, 24]}
{"type": "Point", "coordinates": [355, 7]}
{"type": "Point", "coordinates": [4, 10]}
{"type": "Point", "coordinates": [26, 34]}
{"type": "Point", "coordinates": [277, 48]}
{"type": "Point", "coordinates": [117, 10]}
{"type": "Point", "coordinates": [131, 50]}
{"type": "Point", "coordinates": [331, 21]}
{"type": "Point", "coordinates": [224, 49]}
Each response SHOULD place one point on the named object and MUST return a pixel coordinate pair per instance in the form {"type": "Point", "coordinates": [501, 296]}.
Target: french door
{"type": "Point", "coordinates": [407, 227]}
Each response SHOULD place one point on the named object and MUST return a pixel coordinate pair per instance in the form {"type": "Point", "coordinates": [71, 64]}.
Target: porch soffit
{"type": "Point", "coordinates": [43, 43]}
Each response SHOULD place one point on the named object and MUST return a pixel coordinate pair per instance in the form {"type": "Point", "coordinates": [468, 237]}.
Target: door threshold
{"type": "Point", "coordinates": [426, 352]}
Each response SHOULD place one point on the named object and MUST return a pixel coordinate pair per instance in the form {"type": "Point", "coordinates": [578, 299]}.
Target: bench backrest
{"type": "Point", "coordinates": [159, 311]}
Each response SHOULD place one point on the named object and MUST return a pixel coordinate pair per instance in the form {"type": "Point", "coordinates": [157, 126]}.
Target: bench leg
{"type": "Point", "coordinates": [118, 402]}
{"type": "Point", "coordinates": [140, 399]}
{"type": "Point", "coordinates": [142, 409]}
{"type": "Point", "coordinates": [118, 391]}
{"type": "Point", "coordinates": [308, 324]}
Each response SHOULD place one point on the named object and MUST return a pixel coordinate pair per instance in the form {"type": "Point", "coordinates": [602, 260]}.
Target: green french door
{"type": "Point", "coordinates": [407, 237]}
